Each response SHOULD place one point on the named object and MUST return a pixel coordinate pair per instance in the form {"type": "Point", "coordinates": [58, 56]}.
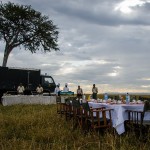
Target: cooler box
{"type": "Point", "coordinates": [66, 93]}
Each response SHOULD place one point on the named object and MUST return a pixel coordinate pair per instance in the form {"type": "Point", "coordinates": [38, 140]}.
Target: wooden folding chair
{"type": "Point", "coordinates": [77, 113]}
{"type": "Point", "coordinates": [68, 109]}
{"type": "Point", "coordinates": [96, 118]}
{"type": "Point", "coordinates": [60, 106]}
{"type": "Point", "coordinates": [136, 120]}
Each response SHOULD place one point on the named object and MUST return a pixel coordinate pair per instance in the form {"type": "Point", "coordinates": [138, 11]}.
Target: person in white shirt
{"type": "Point", "coordinates": [57, 90]}
{"type": "Point", "coordinates": [20, 89]}
{"type": "Point", "coordinates": [39, 89]}
{"type": "Point", "coordinates": [79, 92]}
{"type": "Point", "coordinates": [66, 89]}
{"type": "Point", "coordinates": [94, 91]}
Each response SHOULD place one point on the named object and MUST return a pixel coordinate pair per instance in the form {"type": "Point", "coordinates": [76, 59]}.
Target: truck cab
{"type": "Point", "coordinates": [48, 84]}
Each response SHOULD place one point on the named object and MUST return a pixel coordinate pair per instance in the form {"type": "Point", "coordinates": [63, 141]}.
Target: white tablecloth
{"type": "Point", "coordinates": [28, 99]}
{"type": "Point", "coordinates": [119, 115]}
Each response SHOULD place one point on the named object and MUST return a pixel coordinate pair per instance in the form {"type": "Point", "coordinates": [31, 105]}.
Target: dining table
{"type": "Point", "coordinates": [27, 99]}
{"type": "Point", "coordinates": [119, 114]}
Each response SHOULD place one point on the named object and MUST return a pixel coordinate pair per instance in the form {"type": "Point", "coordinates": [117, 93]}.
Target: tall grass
{"type": "Point", "coordinates": [39, 127]}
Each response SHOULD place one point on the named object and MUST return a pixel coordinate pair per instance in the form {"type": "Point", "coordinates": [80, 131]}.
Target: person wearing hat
{"type": "Point", "coordinates": [66, 89]}
{"type": "Point", "coordinates": [57, 90]}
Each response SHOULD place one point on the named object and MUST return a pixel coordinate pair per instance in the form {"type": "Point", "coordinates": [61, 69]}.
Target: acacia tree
{"type": "Point", "coordinates": [20, 25]}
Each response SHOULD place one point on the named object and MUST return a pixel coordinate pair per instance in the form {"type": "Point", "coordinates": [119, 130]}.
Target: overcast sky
{"type": "Point", "coordinates": [106, 42]}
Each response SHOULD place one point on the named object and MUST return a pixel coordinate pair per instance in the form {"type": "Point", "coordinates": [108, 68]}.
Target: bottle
{"type": "Point", "coordinates": [80, 100]}
{"type": "Point", "coordinates": [105, 96]}
{"type": "Point", "coordinates": [127, 98]}
{"type": "Point", "coordinates": [83, 97]}
{"type": "Point", "coordinates": [89, 98]}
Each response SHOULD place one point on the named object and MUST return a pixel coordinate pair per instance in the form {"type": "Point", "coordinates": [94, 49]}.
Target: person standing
{"type": "Point", "coordinates": [94, 92]}
{"type": "Point", "coordinates": [20, 89]}
{"type": "Point", "coordinates": [79, 92]}
{"type": "Point", "coordinates": [39, 89]}
{"type": "Point", "coordinates": [57, 90]}
{"type": "Point", "coordinates": [66, 89]}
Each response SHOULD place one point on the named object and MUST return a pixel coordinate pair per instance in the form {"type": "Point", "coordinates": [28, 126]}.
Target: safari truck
{"type": "Point", "coordinates": [10, 78]}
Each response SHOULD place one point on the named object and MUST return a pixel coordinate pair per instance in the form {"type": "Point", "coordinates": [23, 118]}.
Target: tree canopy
{"type": "Point", "coordinates": [20, 25]}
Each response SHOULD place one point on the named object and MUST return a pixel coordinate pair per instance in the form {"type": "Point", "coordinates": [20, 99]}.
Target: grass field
{"type": "Point", "coordinates": [39, 127]}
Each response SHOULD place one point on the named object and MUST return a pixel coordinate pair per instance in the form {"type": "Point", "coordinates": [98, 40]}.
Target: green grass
{"type": "Point", "coordinates": [39, 127]}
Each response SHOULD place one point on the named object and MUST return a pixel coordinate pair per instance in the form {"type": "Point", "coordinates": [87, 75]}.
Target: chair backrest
{"type": "Point", "coordinates": [75, 103]}
{"type": "Point", "coordinates": [86, 106]}
{"type": "Point", "coordinates": [146, 106]}
{"type": "Point", "coordinates": [67, 101]}
{"type": "Point", "coordinates": [136, 117]}
{"type": "Point", "coordinates": [76, 107]}
{"type": "Point", "coordinates": [58, 99]}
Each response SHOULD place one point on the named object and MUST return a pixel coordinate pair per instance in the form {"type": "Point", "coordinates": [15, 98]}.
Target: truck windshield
{"type": "Point", "coordinates": [48, 80]}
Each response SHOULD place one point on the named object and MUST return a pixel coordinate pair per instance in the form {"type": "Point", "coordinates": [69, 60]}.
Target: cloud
{"type": "Point", "coordinates": [126, 6]}
{"type": "Point", "coordinates": [98, 44]}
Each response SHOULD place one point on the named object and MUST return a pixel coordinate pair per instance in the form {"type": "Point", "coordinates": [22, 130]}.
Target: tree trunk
{"type": "Point", "coordinates": [6, 54]}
